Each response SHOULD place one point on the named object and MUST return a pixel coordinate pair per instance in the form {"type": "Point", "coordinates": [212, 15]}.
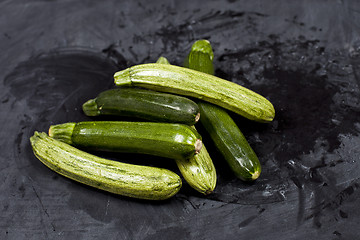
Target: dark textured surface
{"type": "Point", "coordinates": [303, 56]}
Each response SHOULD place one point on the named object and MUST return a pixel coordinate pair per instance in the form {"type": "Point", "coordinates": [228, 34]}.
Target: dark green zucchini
{"type": "Point", "coordinates": [226, 135]}
{"type": "Point", "coordinates": [170, 140]}
{"type": "Point", "coordinates": [230, 141]}
{"type": "Point", "coordinates": [143, 104]}
{"type": "Point", "coordinates": [135, 181]}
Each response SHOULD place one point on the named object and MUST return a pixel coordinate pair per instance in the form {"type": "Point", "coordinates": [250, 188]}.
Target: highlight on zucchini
{"type": "Point", "coordinates": [224, 132]}
{"type": "Point", "coordinates": [192, 83]}
{"type": "Point", "coordinates": [170, 140]}
{"type": "Point", "coordinates": [198, 171]}
{"type": "Point", "coordinates": [143, 104]}
{"type": "Point", "coordinates": [142, 182]}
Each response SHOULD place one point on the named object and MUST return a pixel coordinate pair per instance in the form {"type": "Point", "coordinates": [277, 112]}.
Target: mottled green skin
{"type": "Point", "coordinates": [170, 140]}
{"type": "Point", "coordinates": [222, 129]}
{"type": "Point", "coordinates": [135, 181]}
{"type": "Point", "coordinates": [188, 82]}
{"type": "Point", "coordinates": [143, 104]}
{"type": "Point", "coordinates": [199, 171]}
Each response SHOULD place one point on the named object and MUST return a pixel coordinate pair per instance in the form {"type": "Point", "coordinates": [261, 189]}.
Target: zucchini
{"type": "Point", "coordinates": [162, 60]}
{"type": "Point", "coordinates": [188, 82]}
{"type": "Point", "coordinates": [144, 104]}
{"type": "Point", "coordinates": [222, 129]}
{"type": "Point", "coordinates": [198, 49]}
{"type": "Point", "coordinates": [170, 140]}
{"type": "Point", "coordinates": [135, 181]}
{"type": "Point", "coordinates": [230, 141]}
{"type": "Point", "coordinates": [198, 171]}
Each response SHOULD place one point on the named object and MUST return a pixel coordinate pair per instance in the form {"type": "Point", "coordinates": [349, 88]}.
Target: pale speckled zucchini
{"type": "Point", "coordinates": [226, 135]}
{"type": "Point", "coordinates": [135, 181]}
{"type": "Point", "coordinates": [189, 82]}
{"type": "Point", "coordinates": [198, 171]}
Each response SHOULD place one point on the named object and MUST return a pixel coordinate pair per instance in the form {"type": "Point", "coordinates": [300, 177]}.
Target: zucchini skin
{"type": "Point", "coordinates": [198, 171]}
{"type": "Point", "coordinates": [188, 82]}
{"type": "Point", "coordinates": [144, 104]}
{"type": "Point", "coordinates": [142, 182]}
{"type": "Point", "coordinates": [226, 135]}
{"type": "Point", "coordinates": [162, 60]}
{"type": "Point", "coordinates": [230, 141]}
{"type": "Point", "coordinates": [201, 52]}
{"type": "Point", "coordinates": [170, 140]}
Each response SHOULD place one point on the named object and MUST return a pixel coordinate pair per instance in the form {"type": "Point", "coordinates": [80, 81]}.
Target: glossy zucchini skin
{"type": "Point", "coordinates": [226, 135]}
{"type": "Point", "coordinates": [198, 171]}
{"type": "Point", "coordinates": [170, 140]}
{"type": "Point", "coordinates": [189, 82]}
{"type": "Point", "coordinates": [129, 180]}
{"type": "Point", "coordinates": [143, 104]}
{"type": "Point", "coordinates": [230, 141]}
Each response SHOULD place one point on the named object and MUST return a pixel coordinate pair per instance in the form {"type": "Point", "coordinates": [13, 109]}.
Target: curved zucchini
{"type": "Point", "coordinates": [171, 140]}
{"type": "Point", "coordinates": [222, 129]}
{"type": "Point", "coordinates": [145, 104]}
{"type": "Point", "coordinates": [198, 171]}
{"type": "Point", "coordinates": [120, 178]}
{"type": "Point", "coordinates": [188, 82]}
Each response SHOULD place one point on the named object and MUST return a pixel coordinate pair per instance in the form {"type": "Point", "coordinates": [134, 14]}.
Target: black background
{"type": "Point", "coordinates": [304, 56]}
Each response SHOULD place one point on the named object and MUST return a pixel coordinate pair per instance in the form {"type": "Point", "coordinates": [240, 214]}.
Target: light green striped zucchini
{"type": "Point", "coordinates": [135, 181]}
{"type": "Point", "coordinates": [188, 82]}
{"type": "Point", "coordinates": [198, 171]}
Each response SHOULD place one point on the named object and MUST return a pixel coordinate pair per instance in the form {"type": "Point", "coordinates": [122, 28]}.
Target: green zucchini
{"type": "Point", "coordinates": [188, 82]}
{"type": "Point", "coordinates": [198, 171]}
{"type": "Point", "coordinates": [144, 104]}
{"type": "Point", "coordinates": [198, 49]}
{"type": "Point", "coordinates": [230, 141]}
{"type": "Point", "coordinates": [135, 181]}
{"type": "Point", "coordinates": [222, 129]}
{"type": "Point", "coordinates": [170, 140]}
{"type": "Point", "coordinates": [162, 60]}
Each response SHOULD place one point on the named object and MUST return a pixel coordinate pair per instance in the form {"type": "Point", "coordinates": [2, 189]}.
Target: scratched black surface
{"type": "Point", "coordinates": [303, 56]}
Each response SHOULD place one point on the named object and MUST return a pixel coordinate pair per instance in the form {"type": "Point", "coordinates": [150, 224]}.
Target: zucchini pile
{"type": "Point", "coordinates": [167, 102]}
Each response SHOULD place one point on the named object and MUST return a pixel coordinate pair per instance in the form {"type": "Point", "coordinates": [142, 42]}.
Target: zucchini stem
{"type": "Point", "coordinates": [198, 145]}
{"type": "Point", "coordinates": [90, 108]}
{"type": "Point", "coordinates": [197, 117]}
